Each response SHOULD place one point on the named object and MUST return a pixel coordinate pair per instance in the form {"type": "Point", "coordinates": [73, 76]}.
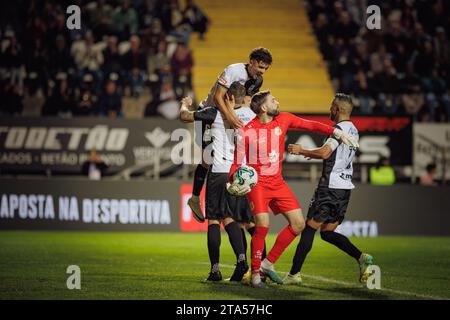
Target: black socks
{"type": "Point", "coordinates": [214, 246]}
{"type": "Point", "coordinates": [304, 246]}
{"type": "Point", "coordinates": [342, 242]}
{"type": "Point", "coordinates": [199, 179]}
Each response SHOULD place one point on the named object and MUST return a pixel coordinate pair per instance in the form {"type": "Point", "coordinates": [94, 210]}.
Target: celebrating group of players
{"type": "Point", "coordinates": [239, 124]}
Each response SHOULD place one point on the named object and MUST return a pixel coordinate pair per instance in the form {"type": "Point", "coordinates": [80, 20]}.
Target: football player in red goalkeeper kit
{"type": "Point", "coordinates": [261, 144]}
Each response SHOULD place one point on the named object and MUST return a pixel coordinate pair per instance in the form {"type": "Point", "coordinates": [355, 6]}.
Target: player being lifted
{"type": "Point", "coordinates": [249, 75]}
{"type": "Point", "coordinates": [328, 206]}
{"type": "Point", "coordinates": [222, 207]}
{"type": "Point", "coordinates": [261, 143]}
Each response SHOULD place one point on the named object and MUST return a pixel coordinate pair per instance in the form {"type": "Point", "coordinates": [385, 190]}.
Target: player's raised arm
{"type": "Point", "coordinates": [318, 127]}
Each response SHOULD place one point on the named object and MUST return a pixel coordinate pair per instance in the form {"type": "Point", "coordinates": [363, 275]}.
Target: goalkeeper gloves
{"type": "Point", "coordinates": [237, 189]}
{"type": "Point", "coordinates": [346, 138]}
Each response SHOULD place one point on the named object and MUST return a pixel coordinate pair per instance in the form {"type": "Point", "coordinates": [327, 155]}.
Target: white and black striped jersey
{"type": "Point", "coordinates": [222, 135]}
{"type": "Point", "coordinates": [232, 73]}
{"type": "Point", "coordinates": [337, 171]}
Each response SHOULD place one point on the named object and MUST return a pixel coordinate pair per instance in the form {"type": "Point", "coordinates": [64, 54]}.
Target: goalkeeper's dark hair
{"type": "Point", "coordinates": [258, 100]}
{"type": "Point", "coordinates": [237, 90]}
{"type": "Point", "coordinates": [261, 54]}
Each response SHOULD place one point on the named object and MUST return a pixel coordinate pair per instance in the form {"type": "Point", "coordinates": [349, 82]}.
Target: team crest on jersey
{"type": "Point", "coordinates": [278, 131]}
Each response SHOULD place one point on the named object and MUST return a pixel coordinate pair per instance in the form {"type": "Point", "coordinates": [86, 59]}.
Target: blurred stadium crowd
{"type": "Point", "coordinates": [403, 68]}
{"type": "Point", "coordinates": [125, 49]}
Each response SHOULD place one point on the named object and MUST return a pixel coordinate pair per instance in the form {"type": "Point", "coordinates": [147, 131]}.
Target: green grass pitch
{"type": "Point", "coordinates": [118, 265]}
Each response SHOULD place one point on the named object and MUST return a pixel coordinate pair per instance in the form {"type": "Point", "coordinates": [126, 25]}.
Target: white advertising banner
{"type": "Point", "coordinates": [432, 144]}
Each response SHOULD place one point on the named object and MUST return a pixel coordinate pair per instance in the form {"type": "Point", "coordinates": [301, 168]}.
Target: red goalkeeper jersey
{"type": "Point", "coordinates": [262, 145]}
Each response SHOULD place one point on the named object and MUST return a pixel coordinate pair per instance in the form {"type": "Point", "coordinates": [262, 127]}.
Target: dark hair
{"type": "Point", "coordinates": [343, 97]}
{"type": "Point", "coordinates": [430, 167]}
{"type": "Point", "coordinates": [261, 54]}
{"type": "Point", "coordinates": [258, 100]}
{"type": "Point", "coordinates": [238, 91]}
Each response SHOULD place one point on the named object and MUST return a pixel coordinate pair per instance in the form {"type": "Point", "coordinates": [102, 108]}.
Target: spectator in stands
{"type": "Point", "coordinates": [125, 20]}
{"type": "Point", "coordinates": [166, 103]}
{"type": "Point", "coordinates": [134, 65]}
{"type": "Point", "coordinates": [12, 60]}
{"type": "Point", "coordinates": [88, 57]}
{"type": "Point", "coordinates": [61, 100]}
{"type": "Point", "coordinates": [112, 59]}
{"type": "Point", "coordinates": [197, 19]}
{"type": "Point", "coordinates": [60, 58]}
{"type": "Point", "coordinates": [152, 36]}
{"type": "Point", "coordinates": [181, 66]}
{"type": "Point", "coordinates": [10, 98]}
{"type": "Point", "coordinates": [58, 29]}
{"type": "Point", "coordinates": [87, 99]}
{"type": "Point", "coordinates": [100, 17]}
{"type": "Point", "coordinates": [36, 61]}
{"type": "Point", "coordinates": [180, 27]}
{"type": "Point", "coordinates": [382, 174]}
{"type": "Point", "coordinates": [94, 167]}
{"type": "Point", "coordinates": [34, 98]}
{"type": "Point", "coordinates": [428, 178]}
{"type": "Point", "coordinates": [110, 103]}
{"type": "Point", "coordinates": [413, 101]}
{"type": "Point", "coordinates": [159, 63]}
{"type": "Point", "coordinates": [442, 48]}
{"type": "Point", "coordinates": [146, 13]}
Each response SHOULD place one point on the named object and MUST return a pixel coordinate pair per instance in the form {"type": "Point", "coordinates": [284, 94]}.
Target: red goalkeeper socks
{"type": "Point", "coordinates": [258, 247]}
{"type": "Point", "coordinates": [284, 239]}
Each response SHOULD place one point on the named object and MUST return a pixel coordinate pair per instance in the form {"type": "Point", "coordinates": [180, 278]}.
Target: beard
{"type": "Point", "coordinates": [333, 116]}
{"type": "Point", "coordinates": [273, 113]}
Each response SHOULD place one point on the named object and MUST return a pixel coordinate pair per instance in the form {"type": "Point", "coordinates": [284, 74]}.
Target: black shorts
{"type": "Point", "coordinates": [220, 204]}
{"type": "Point", "coordinates": [329, 205]}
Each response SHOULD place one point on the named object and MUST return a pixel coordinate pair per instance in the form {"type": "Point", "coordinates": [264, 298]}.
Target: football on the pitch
{"type": "Point", "coordinates": [246, 175]}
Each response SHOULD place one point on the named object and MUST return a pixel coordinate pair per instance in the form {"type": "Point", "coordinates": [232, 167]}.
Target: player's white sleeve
{"type": "Point", "coordinates": [227, 77]}
{"type": "Point", "coordinates": [333, 143]}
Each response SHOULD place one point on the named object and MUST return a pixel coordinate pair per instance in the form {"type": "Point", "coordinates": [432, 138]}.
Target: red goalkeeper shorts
{"type": "Point", "coordinates": [277, 197]}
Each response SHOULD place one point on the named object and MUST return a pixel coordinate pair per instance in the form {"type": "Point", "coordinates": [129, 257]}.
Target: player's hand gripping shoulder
{"type": "Point", "coordinates": [237, 189]}
{"type": "Point", "coordinates": [346, 138]}
{"type": "Point", "coordinates": [229, 102]}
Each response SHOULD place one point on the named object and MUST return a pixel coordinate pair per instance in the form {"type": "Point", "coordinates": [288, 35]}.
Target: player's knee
{"type": "Point", "coordinates": [227, 221]}
{"type": "Point", "coordinates": [298, 226]}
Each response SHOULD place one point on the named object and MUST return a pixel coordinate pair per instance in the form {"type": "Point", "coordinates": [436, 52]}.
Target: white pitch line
{"type": "Point", "coordinates": [349, 284]}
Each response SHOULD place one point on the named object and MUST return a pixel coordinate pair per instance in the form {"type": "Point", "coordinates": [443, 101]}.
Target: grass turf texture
{"type": "Point", "coordinates": [173, 265]}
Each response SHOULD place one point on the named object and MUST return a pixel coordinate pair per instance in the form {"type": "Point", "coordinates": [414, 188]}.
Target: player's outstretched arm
{"type": "Point", "coordinates": [323, 152]}
{"type": "Point", "coordinates": [186, 115]}
{"type": "Point", "coordinates": [318, 127]}
{"type": "Point", "coordinates": [308, 125]}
